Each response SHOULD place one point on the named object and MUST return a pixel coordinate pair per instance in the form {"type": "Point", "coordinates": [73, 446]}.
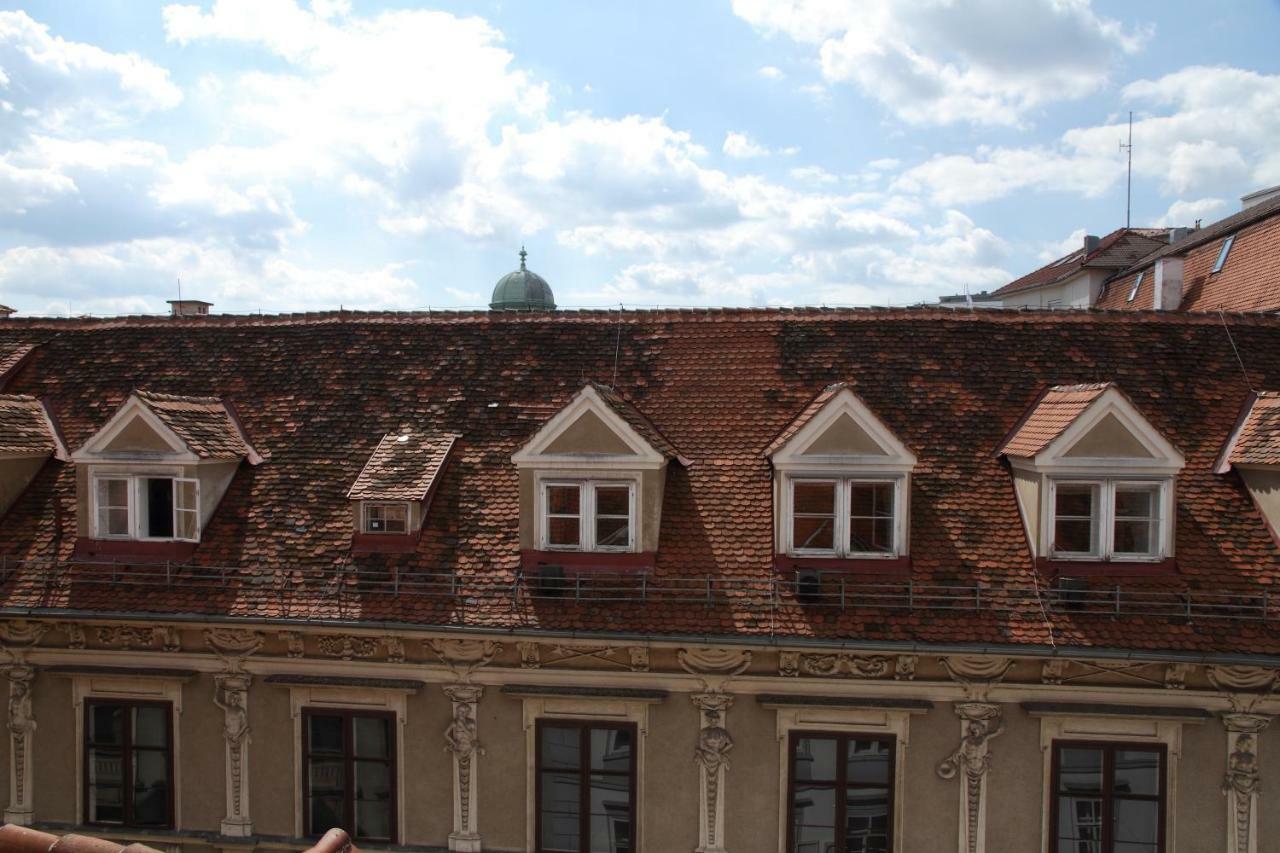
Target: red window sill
{"type": "Point", "coordinates": [1106, 568]}
{"type": "Point", "coordinates": [585, 562]}
{"type": "Point", "coordinates": [845, 565]}
{"type": "Point", "coordinates": [384, 543]}
{"type": "Point", "coordinates": [132, 549]}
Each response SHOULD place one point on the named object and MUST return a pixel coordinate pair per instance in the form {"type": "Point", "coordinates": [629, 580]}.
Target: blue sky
{"type": "Point", "coordinates": [294, 155]}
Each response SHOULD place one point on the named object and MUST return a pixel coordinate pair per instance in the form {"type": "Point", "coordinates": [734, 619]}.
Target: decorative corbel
{"type": "Point", "coordinates": [22, 727]}
{"type": "Point", "coordinates": [463, 656]}
{"type": "Point", "coordinates": [462, 741]}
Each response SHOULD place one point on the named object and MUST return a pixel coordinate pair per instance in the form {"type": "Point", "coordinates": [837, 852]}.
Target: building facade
{"type": "Point", "coordinates": [736, 580]}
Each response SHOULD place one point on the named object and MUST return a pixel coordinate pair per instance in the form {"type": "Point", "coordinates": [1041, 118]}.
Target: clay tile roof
{"type": "Point", "coordinates": [1050, 416]}
{"type": "Point", "coordinates": [1117, 250]}
{"type": "Point", "coordinates": [806, 415]}
{"type": "Point", "coordinates": [11, 357]}
{"type": "Point", "coordinates": [1256, 441]}
{"type": "Point", "coordinates": [26, 427]}
{"type": "Point", "coordinates": [638, 422]}
{"type": "Point", "coordinates": [403, 467]}
{"type": "Point", "coordinates": [205, 424]}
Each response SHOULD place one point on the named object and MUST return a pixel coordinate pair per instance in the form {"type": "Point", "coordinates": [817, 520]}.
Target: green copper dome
{"type": "Point", "coordinates": [522, 290]}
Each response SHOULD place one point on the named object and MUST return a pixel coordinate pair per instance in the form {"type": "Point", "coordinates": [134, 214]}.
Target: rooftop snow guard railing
{"type": "Point", "coordinates": [354, 593]}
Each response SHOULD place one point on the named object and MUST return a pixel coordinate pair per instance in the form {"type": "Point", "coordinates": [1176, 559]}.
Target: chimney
{"type": "Point", "coordinates": [1176, 234]}
{"type": "Point", "coordinates": [6, 311]}
{"type": "Point", "coordinates": [1258, 197]}
{"type": "Point", "coordinates": [1167, 294]}
{"type": "Point", "coordinates": [1091, 243]}
{"type": "Point", "coordinates": [188, 307]}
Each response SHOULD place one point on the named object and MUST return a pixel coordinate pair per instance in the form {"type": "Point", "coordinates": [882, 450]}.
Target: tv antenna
{"type": "Point", "coordinates": [1128, 189]}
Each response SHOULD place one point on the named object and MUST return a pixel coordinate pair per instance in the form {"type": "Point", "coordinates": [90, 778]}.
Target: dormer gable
{"type": "Point", "coordinates": [28, 437]}
{"type": "Point", "coordinates": [392, 494]}
{"type": "Point", "coordinates": [598, 426]}
{"type": "Point", "coordinates": [178, 428]}
{"type": "Point", "coordinates": [838, 428]}
{"type": "Point", "coordinates": [1253, 452]}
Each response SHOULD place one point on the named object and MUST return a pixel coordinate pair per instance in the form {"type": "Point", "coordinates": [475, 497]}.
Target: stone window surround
{"type": "Point", "coordinates": [137, 688]}
{"type": "Point", "coordinates": [821, 719]}
{"type": "Point", "coordinates": [321, 698]}
{"type": "Point", "coordinates": [584, 709]}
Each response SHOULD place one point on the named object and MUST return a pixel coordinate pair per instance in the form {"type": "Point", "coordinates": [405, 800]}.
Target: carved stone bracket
{"type": "Point", "coordinates": [462, 741]}
{"type": "Point", "coordinates": [233, 646]}
{"type": "Point", "coordinates": [463, 656]}
{"type": "Point", "coordinates": [231, 694]}
{"type": "Point", "coordinates": [712, 758]}
{"type": "Point", "coordinates": [1240, 785]}
{"type": "Point", "coordinates": [22, 727]}
{"type": "Point", "coordinates": [979, 723]}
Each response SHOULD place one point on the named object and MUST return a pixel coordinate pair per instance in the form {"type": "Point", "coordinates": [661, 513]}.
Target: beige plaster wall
{"type": "Point", "coordinates": [138, 436]}
{"type": "Point", "coordinates": [15, 474]}
{"type": "Point", "coordinates": [214, 478]}
{"type": "Point", "coordinates": [1027, 486]}
{"type": "Point", "coordinates": [55, 750]}
{"type": "Point", "coordinates": [932, 805]}
{"type": "Point", "coordinates": [1015, 783]}
{"type": "Point", "coordinates": [1264, 485]}
{"type": "Point", "coordinates": [1201, 809]}
{"type": "Point", "coordinates": [203, 774]}
{"type": "Point", "coordinates": [589, 434]}
{"type": "Point", "coordinates": [272, 786]}
{"type": "Point", "coordinates": [752, 821]}
{"type": "Point", "coordinates": [1269, 813]}
{"type": "Point", "coordinates": [1108, 439]}
{"type": "Point", "coordinates": [844, 436]}
{"type": "Point", "coordinates": [427, 801]}
{"type": "Point", "coordinates": [670, 819]}
{"type": "Point", "coordinates": [502, 770]}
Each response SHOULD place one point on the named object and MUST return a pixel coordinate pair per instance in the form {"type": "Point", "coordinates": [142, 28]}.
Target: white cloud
{"type": "Point", "coordinates": [741, 146]}
{"type": "Point", "coordinates": [771, 72]}
{"type": "Point", "coordinates": [986, 62]}
{"type": "Point", "coordinates": [1185, 214]}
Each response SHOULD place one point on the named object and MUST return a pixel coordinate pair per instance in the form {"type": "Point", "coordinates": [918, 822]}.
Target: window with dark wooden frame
{"type": "Point", "coordinates": [841, 793]}
{"type": "Point", "coordinates": [349, 773]}
{"type": "Point", "coordinates": [586, 787]}
{"type": "Point", "coordinates": [1108, 797]}
{"type": "Point", "coordinates": [128, 760]}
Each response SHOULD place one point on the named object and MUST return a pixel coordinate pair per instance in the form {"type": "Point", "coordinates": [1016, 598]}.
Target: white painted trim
{"type": "Point", "coordinates": [533, 453]}
{"type": "Point", "coordinates": [365, 505]}
{"type": "Point", "coordinates": [846, 721]}
{"type": "Point", "coordinates": [587, 512]}
{"type": "Point", "coordinates": [582, 709]}
{"type": "Point", "coordinates": [1106, 517]}
{"type": "Point", "coordinates": [93, 449]}
{"type": "Point", "coordinates": [843, 480]}
{"type": "Point", "coordinates": [378, 699]}
{"type": "Point", "coordinates": [1165, 458]}
{"type": "Point", "coordinates": [134, 475]}
{"type": "Point", "coordinates": [138, 689]}
{"type": "Point", "coordinates": [1068, 727]}
{"type": "Point", "coordinates": [897, 457]}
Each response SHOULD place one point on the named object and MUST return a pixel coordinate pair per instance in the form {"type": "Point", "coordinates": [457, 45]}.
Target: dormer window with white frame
{"type": "Point", "coordinates": [385, 517]}
{"type": "Point", "coordinates": [392, 494]}
{"type": "Point", "coordinates": [842, 483]}
{"type": "Point", "coordinates": [1094, 479]}
{"type": "Point", "coordinates": [157, 468]}
{"type": "Point", "coordinates": [591, 483]}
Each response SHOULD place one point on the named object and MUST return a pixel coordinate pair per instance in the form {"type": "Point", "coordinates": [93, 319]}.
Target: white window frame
{"type": "Point", "coordinates": [1104, 518]}
{"type": "Point", "coordinates": [1137, 283]}
{"type": "Point", "coordinates": [841, 537]}
{"type": "Point", "coordinates": [586, 515]}
{"type": "Point", "coordinates": [134, 480]}
{"type": "Point", "coordinates": [365, 506]}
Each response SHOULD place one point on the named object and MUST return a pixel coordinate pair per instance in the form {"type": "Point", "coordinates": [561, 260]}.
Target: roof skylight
{"type": "Point", "coordinates": [1222, 255]}
{"type": "Point", "coordinates": [1137, 282]}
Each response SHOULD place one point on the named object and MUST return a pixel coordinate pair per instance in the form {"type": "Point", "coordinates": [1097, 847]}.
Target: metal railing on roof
{"type": "Point", "coordinates": [29, 582]}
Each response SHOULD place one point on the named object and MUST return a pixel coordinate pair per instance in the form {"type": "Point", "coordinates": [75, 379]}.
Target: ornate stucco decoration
{"type": "Point", "coordinates": [233, 646]}
{"type": "Point", "coordinates": [75, 635]}
{"type": "Point", "coordinates": [632, 658]}
{"type": "Point", "coordinates": [530, 654]}
{"type": "Point", "coordinates": [979, 723]}
{"type": "Point", "coordinates": [463, 656]}
{"type": "Point", "coordinates": [22, 726]}
{"type": "Point", "coordinates": [129, 637]}
{"type": "Point", "coordinates": [395, 649]}
{"type": "Point", "coordinates": [842, 664]}
{"type": "Point", "coordinates": [22, 632]}
{"type": "Point", "coordinates": [294, 645]}
{"type": "Point", "coordinates": [1064, 671]}
{"type": "Point", "coordinates": [904, 668]}
{"type": "Point", "coordinates": [976, 674]}
{"type": "Point", "coordinates": [231, 694]}
{"type": "Point", "coordinates": [712, 758]}
{"type": "Point", "coordinates": [1251, 679]}
{"type": "Point", "coordinates": [462, 740]}
{"type": "Point", "coordinates": [348, 647]}
{"type": "Point", "coordinates": [1175, 675]}
{"type": "Point", "coordinates": [1240, 785]}
{"type": "Point", "coordinates": [714, 667]}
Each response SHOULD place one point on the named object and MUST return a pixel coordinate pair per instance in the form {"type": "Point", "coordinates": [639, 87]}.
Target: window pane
{"type": "Point", "coordinates": [871, 500]}
{"type": "Point", "coordinates": [611, 833]}
{"type": "Point", "coordinates": [610, 803]}
{"type": "Point", "coordinates": [611, 750]}
{"type": "Point", "coordinates": [1080, 824]}
{"type": "Point", "coordinates": [813, 533]}
{"type": "Point", "coordinates": [106, 803]}
{"type": "Point", "coordinates": [114, 522]}
{"type": "Point", "coordinates": [159, 516]}
{"type": "Point", "coordinates": [561, 747]}
{"type": "Point", "coordinates": [373, 780]}
{"type": "Point", "coordinates": [814, 805]}
{"type": "Point", "coordinates": [106, 724]}
{"type": "Point", "coordinates": [613, 532]}
{"type": "Point", "coordinates": [563, 531]}
{"type": "Point", "coordinates": [613, 500]}
{"type": "Point", "coordinates": [326, 813]}
{"type": "Point", "coordinates": [327, 777]}
{"type": "Point", "coordinates": [866, 818]}
{"type": "Point", "coordinates": [150, 787]}
{"type": "Point", "coordinates": [113, 493]}
{"type": "Point", "coordinates": [1137, 772]}
{"type": "Point", "coordinates": [1079, 770]}
{"type": "Point", "coordinates": [815, 839]}
{"type": "Point", "coordinates": [150, 726]}
{"type": "Point", "coordinates": [563, 500]}
{"type": "Point", "coordinates": [1134, 537]}
{"type": "Point", "coordinates": [560, 810]}
{"type": "Point", "coordinates": [1137, 821]}
{"type": "Point", "coordinates": [326, 734]}
{"type": "Point", "coordinates": [1072, 536]}
{"type": "Point", "coordinates": [868, 762]}
{"type": "Point", "coordinates": [373, 737]}
{"type": "Point", "coordinates": [871, 535]}
{"type": "Point", "coordinates": [1076, 499]}
{"type": "Point", "coordinates": [1134, 502]}
{"type": "Point", "coordinates": [818, 498]}
{"type": "Point", "coordinates": [373, 820]}
{"type": "Point", "coordinates": [815, 759]}
{"type": "Point", "coordinates": [188, 524]}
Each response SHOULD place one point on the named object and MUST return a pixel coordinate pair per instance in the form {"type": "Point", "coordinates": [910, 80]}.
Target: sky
{"type": "Point", "coordinates": [286, 155]}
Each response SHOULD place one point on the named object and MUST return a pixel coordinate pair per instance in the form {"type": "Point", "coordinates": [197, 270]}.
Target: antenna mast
{"type": "Point", "coordinates": [1128, 189]}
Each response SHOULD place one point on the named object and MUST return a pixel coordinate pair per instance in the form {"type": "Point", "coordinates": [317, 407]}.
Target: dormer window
{"type": "Point", "coordinates": [156, 471]}
{"type": "Point", "coordinates": [591, 486]}
{"type": "Point", "coordinates": [384, 517]}
{"type": "Point", "coordinates": [28, 438]}
{"type": "Point", "coordinates": [1094, 480]}
{"type": "Point", "coordinates": [842, 486]}
{"type": "Point", "coordinates": [393, 491]}
{"type": "Point", "coordinates": [1253, 452]}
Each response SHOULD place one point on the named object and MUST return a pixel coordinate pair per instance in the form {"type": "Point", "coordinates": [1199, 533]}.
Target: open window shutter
{"type": "Point", "coordinates": [186, 509]}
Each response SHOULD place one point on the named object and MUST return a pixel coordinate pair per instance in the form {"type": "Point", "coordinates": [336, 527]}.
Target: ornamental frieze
{"type": "Point", "coordinates": [347, 647]}
{"type": "Point", "coordinates": [128, 637]}
{"type": "Point", "coordinates": [534, 655]}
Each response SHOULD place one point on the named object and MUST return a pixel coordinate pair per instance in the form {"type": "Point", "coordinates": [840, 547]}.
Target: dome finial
{"type": "Point", "coordinates": [523, 255]}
